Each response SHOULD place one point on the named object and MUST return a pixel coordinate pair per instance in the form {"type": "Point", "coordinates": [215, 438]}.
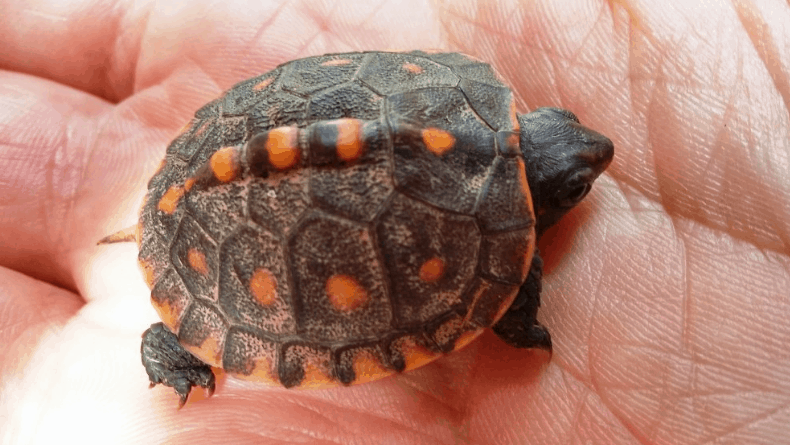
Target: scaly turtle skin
{"type": "Point", "coordinates": [348, 216]}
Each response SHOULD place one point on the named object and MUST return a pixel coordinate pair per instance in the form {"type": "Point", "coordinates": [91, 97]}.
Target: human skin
{"type": "Point", "coordinates": [666, 291]}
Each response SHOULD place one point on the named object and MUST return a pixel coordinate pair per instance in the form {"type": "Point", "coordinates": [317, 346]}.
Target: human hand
{"type": "Point", "coordinates": [665, 291]}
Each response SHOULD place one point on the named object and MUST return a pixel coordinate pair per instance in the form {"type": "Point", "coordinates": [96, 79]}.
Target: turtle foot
{"type": "Point", "coordinates": [168, 363]}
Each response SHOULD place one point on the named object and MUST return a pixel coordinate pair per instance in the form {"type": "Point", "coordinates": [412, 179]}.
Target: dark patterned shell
{"type": "Point", "coordinates": [315, 261]}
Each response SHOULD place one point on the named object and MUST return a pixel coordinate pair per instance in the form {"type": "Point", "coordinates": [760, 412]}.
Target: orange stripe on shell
{"type": "Point", "coordinates": [349, 139]}
{"type": "Point", "coordinates": [282, 145]}
{"type": "Point", "coordinates": [224, 164]}
{"type": "Point", "coordinates": [168, 203]}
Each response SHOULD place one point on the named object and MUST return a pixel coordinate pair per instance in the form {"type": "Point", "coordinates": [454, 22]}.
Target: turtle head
{"type": "Point", "coordinates": [562, 158]}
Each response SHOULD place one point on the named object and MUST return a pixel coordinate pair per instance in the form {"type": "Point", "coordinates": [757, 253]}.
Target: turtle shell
{"type": "Point", "coordinates": [345, 266]}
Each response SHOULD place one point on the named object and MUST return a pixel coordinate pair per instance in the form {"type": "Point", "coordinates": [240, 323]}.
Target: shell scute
{"type": "Point", "coordinates": [322, 251]}
{"type": "Point", "coordinates": [254, 283]}
{"type": "Point", "coordinates": [388, 74]}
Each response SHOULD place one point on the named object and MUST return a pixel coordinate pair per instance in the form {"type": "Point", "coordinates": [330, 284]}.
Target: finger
{"type": "Point", "coordinates": [46, 128]}
{"type": "Point", "coordinates": [28, 309]}
{"type": "Point", "coordinates": [91, 45]}
{"type": "Point", "coordinates": [111, 49]}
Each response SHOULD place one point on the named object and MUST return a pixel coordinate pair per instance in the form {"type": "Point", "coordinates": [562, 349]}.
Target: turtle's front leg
{"type": "Point", "coordinates": [519, 326]}
{"type": "Point", "coordinates": [168, 363]}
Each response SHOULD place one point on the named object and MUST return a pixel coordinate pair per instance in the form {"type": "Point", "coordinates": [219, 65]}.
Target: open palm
{"type": "Point", "coordinates": [666, 291]}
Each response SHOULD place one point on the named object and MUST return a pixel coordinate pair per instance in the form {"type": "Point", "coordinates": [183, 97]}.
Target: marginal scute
{"type": "Point", "coordinates": [506, 256]}
{"type": "Point", "coordinates": [305, 366]}
{"type": "Point", "coordinates": [202, 332]}
{"type": "Point", "coordinates": [488, 301]}
{"type": "Point", "coordinates": [192, 238]}
{"type": "Point", "coordinates": [170, 298]}
{"type": "Point", "coordinates": [250, 356]}
{"type": "Point", "coordinates": [360, 365]}
{"type": "Point", "coordinates": [444, 335]}
{"type": "Point", "coordinates": [168, 203]}
{"type": "Point", "coordinates": [411, 352]}
{"type": "Point", "coordinates": [506, 203]}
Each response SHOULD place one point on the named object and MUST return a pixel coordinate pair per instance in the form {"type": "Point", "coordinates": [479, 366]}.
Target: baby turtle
{"type": "Point", "coordinates": [349, 216]}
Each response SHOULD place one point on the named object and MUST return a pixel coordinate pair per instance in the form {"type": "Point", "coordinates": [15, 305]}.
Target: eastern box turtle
{"type": "Point", "coordinates": [345, 217]}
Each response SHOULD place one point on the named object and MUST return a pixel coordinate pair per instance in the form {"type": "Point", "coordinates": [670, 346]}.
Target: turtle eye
{"type": "Point", "coordinates": [575, 189]}
{"type": "Point", "coordinates": [576, 194]}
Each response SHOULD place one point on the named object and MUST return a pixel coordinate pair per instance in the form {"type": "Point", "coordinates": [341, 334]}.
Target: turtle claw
{"type": "Point", "coordinates": [168, 363]}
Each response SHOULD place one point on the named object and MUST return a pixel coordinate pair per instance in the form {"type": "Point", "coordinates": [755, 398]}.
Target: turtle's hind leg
{"type": "Point", "coordinates": [168, 363]}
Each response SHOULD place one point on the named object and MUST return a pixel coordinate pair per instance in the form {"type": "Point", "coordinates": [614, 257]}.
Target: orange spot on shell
{"type": "Point", "coordinates": [263, 84]}
{"type": "Point", "coordinates": [189, 183]}
{"type": "Point", "coordinates": [336, 62]}
{"type": "Point", "coordinates": [197, 261]}
{"type": "Point", "coordinates": [283, 147]}
{"type": "Point", "coordinates": [368, 367]}
{"type": "Point", "coordinates": [147, 268]}
{"type": "Point", "coordinates": [345, 293]}
{"type": "Point", "coordinates": [412, 68]}
{"type": "Point", "coordinates": [209, 351]}
{"type": "Point", "coordinates": [263, 286]}
{"type": "Point", "coordinates": [167, 313]}
{"type": "Point", "coordinates": [169, 201]}
{"type": "Point", "coordinates": [437, 141]}
{"type": "Point", "coordinates": [432, 270]}
{"type": "Point", "coordinates": [349, 141]}
{"type": "Point", "coordinates": [224, 165]}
